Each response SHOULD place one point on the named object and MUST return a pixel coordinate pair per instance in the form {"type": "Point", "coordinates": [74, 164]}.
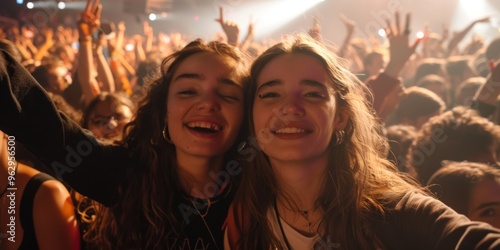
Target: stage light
{"type": "Point", "coordinates": [152, 17]}
{"type": "Point", "coordinates": [275, 14]}
{"type": "Point", "coordinates": [381, 32]}
{"type": "Point", "coordinates": [61, 5]}
{"type": "Point", "coordinates": [19, 1]}
{"type": "Point", "coordinates": [420, 35]}
{"type": "Point", "coordinates": [30, 5]}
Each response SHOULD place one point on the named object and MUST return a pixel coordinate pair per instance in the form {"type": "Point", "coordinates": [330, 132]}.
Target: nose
{"type": "Point", "coordinates": [209, 102]}
{"type": "Point", "coordinates": [292, 107]}
{"type": "Point", "coordinates": [110, 124]}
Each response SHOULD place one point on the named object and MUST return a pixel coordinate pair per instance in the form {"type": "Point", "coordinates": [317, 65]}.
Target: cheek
{"type": "Point", "coordinates": [96, 130]}
{"type": "Point", "coordinates": [259, 118]}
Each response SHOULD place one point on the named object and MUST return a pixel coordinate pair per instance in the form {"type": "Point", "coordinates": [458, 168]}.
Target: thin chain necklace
{"type": "Point", "coordinates": [209, 204]}
{"type": "Point", "coordinates": [202, 216]}
{"type": "Point", "coordinates": [304, 214]}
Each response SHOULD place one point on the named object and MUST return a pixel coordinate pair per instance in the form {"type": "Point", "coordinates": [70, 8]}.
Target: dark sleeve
{"type": "Point", "coordinates": [381, 85]}
{"type": "Point", "coordinates": [422, 222]}
{"type": "Point", "coordinates": [70, 153]}
{"type": "Point", "coordinates": [484, 109]}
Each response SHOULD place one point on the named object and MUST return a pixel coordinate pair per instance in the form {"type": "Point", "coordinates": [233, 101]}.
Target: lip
{"type": "Point", "coordinates": [291, 132]}
{"type": "Point", "coordinates": [204, 123]}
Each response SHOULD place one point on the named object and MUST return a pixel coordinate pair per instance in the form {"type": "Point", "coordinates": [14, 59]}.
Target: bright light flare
{"type": "Point", "coordinates": [381, 32]}
{"type": "Point", "coordinates": [129, 47]}
{"type": "Point", "coordinates": [30, 5]}
{"type": "Point", "coordinates": [152, 17]}
{"type": "Point", "coordinates": [275, 14]}
{"type": "Point", "coordinates": [420, 35]}
{"type": "Point", "coordinates": [61, 5]}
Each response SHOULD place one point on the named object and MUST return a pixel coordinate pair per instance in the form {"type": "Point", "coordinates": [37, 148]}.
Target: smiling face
{"type": "Point", "coordinates": [484, 204]}
{"type": "Point", "coordinates": [205, 105]}
{"type": "Point", "coordinates": [295, 111]}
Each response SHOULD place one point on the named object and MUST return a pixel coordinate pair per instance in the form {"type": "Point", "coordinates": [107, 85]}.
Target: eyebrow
{"type": "Point", "coordinates": [307, 82]}
{"type": "Point", "coordinates": [488, 204]}
{"type": "Point", "coordinates": [225, 81]}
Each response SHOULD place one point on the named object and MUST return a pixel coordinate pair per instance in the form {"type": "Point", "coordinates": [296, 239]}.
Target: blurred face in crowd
{"type": "Point", "coordinates": [108, 120]}
{"type": "Point", "coordinates": [484, 202]}
{"type": "Point", "coordinates": [58, 79]}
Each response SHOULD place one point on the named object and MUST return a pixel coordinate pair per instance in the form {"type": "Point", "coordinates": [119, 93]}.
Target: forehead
{"type": "Point", "coordinates": [208, 63]}
{"type": "Point", "coordinates": [294, 66]}
{"type": "Point", "coordinates": [109, 107]}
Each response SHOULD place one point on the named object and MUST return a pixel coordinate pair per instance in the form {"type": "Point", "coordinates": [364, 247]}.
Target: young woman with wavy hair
{"type": "Point", "coordinates": [319, 179]}
{"type": "Point", "coordinates": [168, 185]}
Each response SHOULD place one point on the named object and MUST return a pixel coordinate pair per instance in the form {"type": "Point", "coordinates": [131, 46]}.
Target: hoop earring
{"type": "Point", "coordinates": [242, 146]}
{"type": "Point", "coordinates": [339, 137]}
{"type": "Point", "coordinates": [165, 135]}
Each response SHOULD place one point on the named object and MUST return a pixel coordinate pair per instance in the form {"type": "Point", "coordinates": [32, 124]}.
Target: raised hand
{"type": "Point", "coordinates": [349, 24]}
{"type": "Point", "coordinates": [315, 31]}
{"type": "Point", "coordinates": [230, 28]}
{"type": "Point", "coordinates": [400, 49]}
{"type": "Point", "coordinates": [90, 18]}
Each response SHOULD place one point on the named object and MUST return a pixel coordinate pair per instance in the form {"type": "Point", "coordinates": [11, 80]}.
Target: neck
{"type": "Point", "coordinates": [302, 182]}
{"type": "Point", "coordinates": [198, 175]}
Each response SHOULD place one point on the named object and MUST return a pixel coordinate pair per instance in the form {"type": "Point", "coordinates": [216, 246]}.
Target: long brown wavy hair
{"type": "Point", "coordinates": [359, 182]}
{"type": "Point", "coordinates": [143, 216]}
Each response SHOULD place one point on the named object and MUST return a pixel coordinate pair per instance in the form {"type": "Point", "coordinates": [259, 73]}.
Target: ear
{"type": "Point", "coordinates": [341, 119]}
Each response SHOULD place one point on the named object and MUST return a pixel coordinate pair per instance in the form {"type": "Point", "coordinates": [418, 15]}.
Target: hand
{"type": "Point", "coordinates": [483, 20]}
{"type": "Point", "coordinates": [400, 50]}
{"type": "Point", "coordinates": [230, 28]}
{"type": "Point", "coordinates": [349, 24]}
{"type": "Point", "coordinates": [49, 36]}
{"type": "Point", "coordinates": [90, 18]}
{"type": "Point", "coordinates": [121, 26]}
{"type": "Point", "coordinates": [495, 72]}
{"type": "Point", "coordinates": [315, 31]}
{"type": "Point", "coordinates": [148, 30]}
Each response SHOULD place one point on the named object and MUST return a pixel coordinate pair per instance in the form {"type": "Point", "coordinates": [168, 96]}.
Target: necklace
{"type": "Point", "coordinates": [281, 226]}
{"type": "Point", "coordinates": [304, 214]}
{"type": "Point", "coordinates": [202, 216]}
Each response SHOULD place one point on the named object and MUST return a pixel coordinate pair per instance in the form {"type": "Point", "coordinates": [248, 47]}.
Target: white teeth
{"type": "Point", "coordinates": [207, 125]}
{"type": "Point", "coordinates": [289, 131]}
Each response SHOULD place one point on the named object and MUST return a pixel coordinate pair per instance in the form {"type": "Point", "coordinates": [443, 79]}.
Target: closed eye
{"type": "Point", "coordinates": [230, 97]}
{"type": "Point", "coordinates": [187, 92]}
{"type": "Point", "coordinates": [268, 95]}
{"type": "Point", "coordinates": [315, 94]}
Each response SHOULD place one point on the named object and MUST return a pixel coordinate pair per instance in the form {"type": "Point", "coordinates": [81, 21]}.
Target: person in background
{"type": "Point", "coordinates": [470, 188]}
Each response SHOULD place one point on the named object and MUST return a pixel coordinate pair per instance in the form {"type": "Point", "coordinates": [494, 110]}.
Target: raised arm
{"type": "Point", "coordinates": [400, 52]}
{"type": "Point", "coordinates": [70, 153]}
{"type": "Point", "coordinates": [104, 74]}
{"type": "Point", "coordinates": [486, 97]}
{"type": "Point", "coordinates": [231, 29]}
{"type": "Point", "coordinates": [350, 26]}
{"type": "Point", "coordinates": [459, 36]}
{"type": "Point", "coordinates": [87, 25]}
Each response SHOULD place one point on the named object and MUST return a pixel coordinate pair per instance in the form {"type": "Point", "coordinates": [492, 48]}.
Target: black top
{"type": "Point", "coordinates": [26, 210]}
{"type": "Point", "coordinates": [91, 168]}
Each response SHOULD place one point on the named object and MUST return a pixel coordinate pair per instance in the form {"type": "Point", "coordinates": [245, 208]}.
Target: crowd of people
{"type": "Point", "coordinates": [152, 141]}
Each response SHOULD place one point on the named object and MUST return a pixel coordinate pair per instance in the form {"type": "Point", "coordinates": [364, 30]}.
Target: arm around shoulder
{"type": "Point", "coordinates": [419, 221]}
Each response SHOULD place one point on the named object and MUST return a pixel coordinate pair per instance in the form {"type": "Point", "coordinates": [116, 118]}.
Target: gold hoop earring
{"type": "Point", "coordinates": [165, 135]}
{"type": "Point", "coordinates": [339, 137]}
